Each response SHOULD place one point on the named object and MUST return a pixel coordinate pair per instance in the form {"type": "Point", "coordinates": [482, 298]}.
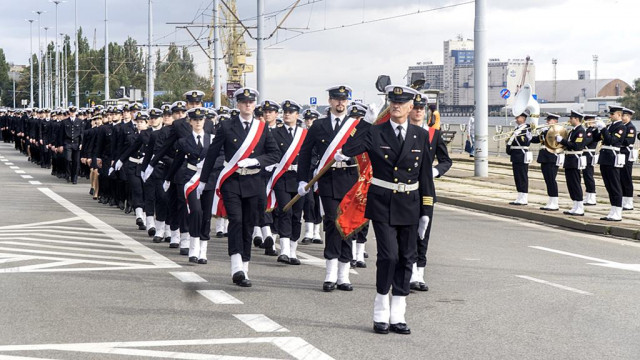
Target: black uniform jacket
{"type": "Point", "coordinates": [187, 153]}
{"type": "Point", "coordinates": [517, 155]}
{"type": "Point", "coordinates": [336, 182]}
{"type": "Point", "coordinates": [574, 142]}
{"type": "Point", "coordinates": [438, 150]}
{"type": "Point", "coordinates": [408, 164]}
{"type": "Point", "coordinates": [613, 135]}
{"type": "Point", "coordinates": [229, 136]}
{"type": "Point", "coordinates": [288, 181]}
{"type": "Point", "coordinates": [544, 156]}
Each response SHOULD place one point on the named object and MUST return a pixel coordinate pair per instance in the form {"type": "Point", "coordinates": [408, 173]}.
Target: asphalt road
{"type": "Point", "coordinates": [79, 281]}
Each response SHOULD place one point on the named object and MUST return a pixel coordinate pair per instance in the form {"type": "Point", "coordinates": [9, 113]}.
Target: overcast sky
{"type": "Point", "coordinates": [297, 68]}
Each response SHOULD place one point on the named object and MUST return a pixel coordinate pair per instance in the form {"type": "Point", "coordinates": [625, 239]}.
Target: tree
{"type": "Point", "coordinates": [631, 97]}
{"type": "Point", "coordinates": [176, 75]}
{"type": "Point", "coordinates": [6, 85]}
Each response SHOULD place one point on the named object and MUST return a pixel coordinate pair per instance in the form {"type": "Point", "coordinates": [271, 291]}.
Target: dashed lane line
{"type": "Point", "coordinates": [188, 277]}
{"type": "Point", "coordinates": [260, 323]}
{"type": "Point", "coordinates": [219, 297]}
{"type": "Point", "coordinates": [563, 287]}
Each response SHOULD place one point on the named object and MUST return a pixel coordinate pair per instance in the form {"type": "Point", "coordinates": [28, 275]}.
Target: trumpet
{"type": "Point", "coordinates": [593, 122]}
{"type": "Point", "coordinates": [506, 135]}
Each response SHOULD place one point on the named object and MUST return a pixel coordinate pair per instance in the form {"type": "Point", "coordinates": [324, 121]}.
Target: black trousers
{"type": "Point", "coordinates": [589, 181]}
{"type": "Point", "coordinates": [181, 208]}
{"type": "Point", "coordinates": [574, 184]}
{"type": "Point", "coordinates": [611, 178]}
{"type": "Point", "coordinates": [155, 199]}
{"type": "Point", "coordinates": [396, 254]}
{"type": "Point", "coordinates": [137, 192]}
{"type": "Point", "coordinates": [199, 214]}
{"type": "Point", "coordinates": [243, 216]}
{"type": "Point", "coordinates": [423, 244]}
{"type": "Point", "coordinates": [626, 182]}
{"type": "Point", "coordinates": [549, 172]}
{"type": "Point", "coordinates": [312, 208]}
{"type": "Point", "coordinates": [289, 223]}
{"type": "Point", "coordinates": [172, 204]}
{"type": "Point", "coordinates": [521, 176]}
{"type": "Point", "coordinates": [334, 246]}
{"type": "Point", "coordinates": [361, 236]}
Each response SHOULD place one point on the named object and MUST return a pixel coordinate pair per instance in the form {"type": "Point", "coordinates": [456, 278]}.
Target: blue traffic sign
{"type": "Point", "coordinates": [505, 93]}
{"type": "Point", "coordinates": [313, 100]}
{"type": "Point", "coordinates": [208, 104]}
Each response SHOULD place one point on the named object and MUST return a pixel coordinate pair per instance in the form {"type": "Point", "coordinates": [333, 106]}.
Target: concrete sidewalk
{"type": "Point", "coordinates": [493, 194]}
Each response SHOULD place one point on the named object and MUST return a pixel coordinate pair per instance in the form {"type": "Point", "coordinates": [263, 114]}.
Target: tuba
{"type": "Point", "coordinates": [524, 101]}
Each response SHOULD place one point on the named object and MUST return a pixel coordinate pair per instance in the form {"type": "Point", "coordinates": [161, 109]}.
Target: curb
{"type": "Point", "coordinates": [570, 223]}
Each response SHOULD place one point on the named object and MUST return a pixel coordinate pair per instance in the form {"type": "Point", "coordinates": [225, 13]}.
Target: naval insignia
{"type": "Point", "coordinates": [415, 136]}
{"type": "Point", "coordinates": [247, 92]}
{"type": "Point", "coordinates": [342, 89]}
{"type": "Point", "coordinates": [194, 94]}
{"type": "Point", "coordinates": [397, 90]}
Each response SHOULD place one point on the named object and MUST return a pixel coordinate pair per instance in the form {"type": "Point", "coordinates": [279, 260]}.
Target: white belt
{"type": "Point", "coordinates": [395, 186]}
{"type": "Point", "coordinates": [590, 151]}
{"type": "Point", "coordinates": [573, 152]}
{"type": "Point", "coordinates": [342, 164]}
{"type": "Point", "coordinates": [519, 148]}
{"type": "Point", "coordinates": [247, 171]}
{"type": "Point", "coordinates": [136, 160]}
{"type": "Point", "coordinates": [609, 147]}
{"type": "Point", "coordinates": [192, 167]}
{"type": "Point", "coordinates": [293, 168]}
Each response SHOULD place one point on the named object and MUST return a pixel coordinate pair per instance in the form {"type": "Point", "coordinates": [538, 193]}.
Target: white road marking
{"type": "Point", "coordinates": [75, 218]}
{"type": "Point", "coordinates": [35, 182]}
{"type": "Point", "coordinates": [578, 291]}
{"type": "Point", "coordinates": [294, 346]}
{"type": "Point", "coordinates": [260, 323]}
{"type": "Point", "coordinates": [44, 234]}
{"type": "Point", "coordinates": [27, 176]}
{"type": "Point", "coordinates": [14, 167]}
{"type": "Point", "coordinates": [63, 242]}
{"type": "Point", "coordinates": [188, 277]}
{"type": "Point", "coordinates": [19, 171]}
{"type": "Point", "coordinates": [219, 297]}
{"type": "Point", "coordinates": [73, 248]}
{"type": "Point", "coordinates": [598, 262]}
{"type": "Point", "coordinates": [8, 163]}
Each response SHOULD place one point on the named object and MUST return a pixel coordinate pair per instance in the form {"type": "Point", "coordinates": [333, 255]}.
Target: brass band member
{"type": "Point", "coordinates": [518, 150]}
{"type": "Point", "coordinates": [574, 161]}
{"type": "Point", "coordinates": [548, 160]}
{"type": "Point", "coordinates": [630, 156]}
{"type": "Point", "coordinates": [591, 139]}
{"type": "Point", "coordinates": [610, 160]}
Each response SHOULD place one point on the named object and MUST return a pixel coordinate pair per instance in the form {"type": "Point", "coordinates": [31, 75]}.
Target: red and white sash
{"type": "Point", "coordinates": [337, 142]}
{"type": "Point", "coordinates": [283, 166]}
{"type": "Point", "coordinates": [249, 143]}
{"type": "Point", "coordinates": [192, 184]}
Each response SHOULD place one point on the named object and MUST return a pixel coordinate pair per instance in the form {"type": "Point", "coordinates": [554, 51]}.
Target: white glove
{"type": "Point", "coordinates": [435, 172]}
{"type": "Point", "coordinates": [600, 124]}
{"type": "Point", "coordinates": [372, 113]}
{"type": "Point", "coordinates": [301, 188]}
{"type": "Point", "coordinates": [340, 157]}
{"type": "Point", "coordinates": [200, 189]}
{"type": "Point", "coordinates": [147, 173]}
{"type": "Point", "coordinates": [422, 226]}
{"type": "Point", "coordinates": [142, 176]}
{"type": "Point", "coordinates": [559, 138]}
{"type": "Point", "coordinates": [270, 168]}
{"type": "Point", "coordinates": [110, 171]}
{"type": "Point", "coordinates": [528, 135]}
{"type": "Point", "coordinates": [248, 162]}
{"type": "Point", "coordinates": [118, 165]}
{"type": "Point", "coordinates": [165, 185]}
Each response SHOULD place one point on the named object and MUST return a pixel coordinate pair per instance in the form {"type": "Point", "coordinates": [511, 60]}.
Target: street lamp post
{"type": "Point", "coordinates": [40, 97]}
{"type": "Point", "coordinates": [77, 100]}
{"type": "Point", "coordinates": [31, 61]}
{"type": "Point", "coordinates": [57, 86]}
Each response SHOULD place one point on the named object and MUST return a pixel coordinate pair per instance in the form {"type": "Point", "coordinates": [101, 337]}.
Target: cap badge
{"type": "Point", "coordinates": [397, 91]}
{"type": "Point", "coordinates": [246, 92]}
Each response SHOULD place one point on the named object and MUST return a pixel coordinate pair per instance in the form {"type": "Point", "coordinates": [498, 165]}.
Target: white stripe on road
{"type": "Point", "coordinates": [20, 226]}
{"type": "Point", "coordinates": [570, 254]}
{"type": "Point", "coordinates": [35, 182]}
{"type": "Point", "coordinates": [20, 171]}
{"type": "Point", "coordinates": [578, 291]}
{"type": "Point", "coordinates": [8, 163]}
{"type": "Point", "coordinates": [188, 277]}
{"type": "Point", "coordinates": [260, 323]}
{"type": "Point", "coordinates": [14, 167]}
{"type": "Point", "coordinates": [219, 297]}
{"type": "Point", "coordinates": [27, 176]}
{"type": "Point", "coordinates": [598, 262]}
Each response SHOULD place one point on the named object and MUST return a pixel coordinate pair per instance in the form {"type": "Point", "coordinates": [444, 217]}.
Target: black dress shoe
{"type": "Point", "coordinates": [184, 251]}
{"type": "Point", "coordinates": [167, 239]}
{"type": "Point", "coordinates": [91, 191]}
{"type": "Point", "coordinates": [317, 241]}
{"type": "Point", "coordinates": [306, 241]}
{"type": "Point", "coordinates": [225, 234]}
{"type": "Point", "coordinates": [121, 205]}
{"type": "Point", "coordinates": [193, 259]}
{"type": "Point", "coordinates": [361, 264]}
{"type": "Point", "coordinates": [380, 327]}
{"type": "Point", "coordinates": [151, 231]}
{"type": "Point", "coordinates": [257, 241]}
{"type": "Point", "coordinates": [128, 209]}
{"type": "Point", "coordinates": [157, 239]}
{"type": "Point", "coordinates": [174, 245]}
{"type": "Point", "coordinates": [240, 279]}
{"type": "Point", "coordinates": [219, 234]}
{"type": "Point", "coordinates": [594, 204]}
{"type": "Point", "coordinates": [268, 247]}
{"type": "Point", "coordinates": [140, 224]}
{"type": "Point", "coordinates": [328, 286]}
{"type": "Point", "coordinates": [283, 259]}
{"type": "Point", "coordinates": [366, 255]}
{"type": "Point", "coordinates": [400, 328]}
{"type": "Point", "coordinates": [345, 287]}
{"type": "Point", "coordinates": [294, 261]}
{"type": "Point", "coordinates": [515, 203]}
{"type": "Point", "coordinates": [202, 261]}
{"type": "Point", "coordinates": [627, 209]}
{"type": "Point", "coordinates": [609, 219]}
{"type": "Point", "coordinates": [352, 263]}
{"type": "Point", "coordinates": [422, 287]}
{"type": "Point", "coordinates": [547, 209]}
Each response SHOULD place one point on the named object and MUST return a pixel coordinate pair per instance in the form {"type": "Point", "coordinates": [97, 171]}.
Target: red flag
{"type": "Point", "coordinates": [351, 209]}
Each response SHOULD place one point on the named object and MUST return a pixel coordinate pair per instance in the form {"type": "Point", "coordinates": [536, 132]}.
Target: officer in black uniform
{"type": "Point", "coordinates": [332, 186]}
{"type": "Point", "coordinates": [518, 150]}
{"type": "Point", "coordinates": [240, 190]}
{"type": "Point", "coordinates": [574, 161]}
{"type": "Point", "coordinates": [548, 160]}
{"type": "Point", "coordinates": [398, 202]}
{"type": "Point", "coordinates": [591, 139]}
{"type": "Point", "coordinates": [630, 158]}
{"type": "Point", "coordinates": [438, 150]}
{"type": "Point", "coordinates": [286, 188]}
{"type": "Point", "coordinates": [71, 136]}
{"type": "Point", "coordinates": [311, 207]}
{"type": "Point", "coordinates": [610, 160]}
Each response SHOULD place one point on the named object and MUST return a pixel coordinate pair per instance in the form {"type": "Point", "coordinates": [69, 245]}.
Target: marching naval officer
{"type": "Point", "coordinates": [518, 150]}
{"type": "Point", "coordinates": [548, 161]}
{"type": "Point", "coordinates": [398, 202]}
{"type": "Point", "coordinates": [610, 160]}
{"type": "Point", "coordinates": [630, 156]}
{"type": "Point", "coordinates": [574, 162]}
